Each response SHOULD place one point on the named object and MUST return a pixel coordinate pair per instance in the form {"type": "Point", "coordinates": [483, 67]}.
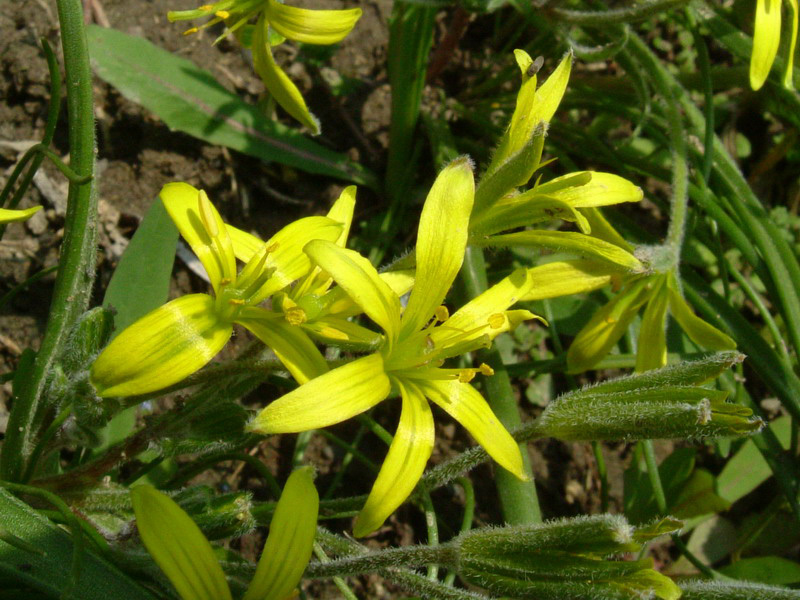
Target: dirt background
{"type": "Point", "coordinates": [137, 154]}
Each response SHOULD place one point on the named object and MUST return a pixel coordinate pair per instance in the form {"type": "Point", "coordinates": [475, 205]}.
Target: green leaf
{"type": "Point", "coordinates": [698, 497]}
{"type": "Point", "coordinates": [765, 569]}
{"type": "Point", "coordinates": [47, 571]}
{"type": "Point", "coordinates": [189, 99]}
{"type": "Point", "coordinates": [747, 469]}
{"type": "Point", "coordinates": [140, 282]}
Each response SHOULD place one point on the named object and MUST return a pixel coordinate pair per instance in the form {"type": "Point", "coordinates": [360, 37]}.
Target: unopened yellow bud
{"type": "Point", "coordinates": [486, 370]}
{"type": "Point", "coordinates": [441, 313]}
{"type": "Point", "coordinates": [497, 320]}
{"type": "Point", "coordinates": [191, 30]}
{"type": "Point", "coordinates": [222, 14]}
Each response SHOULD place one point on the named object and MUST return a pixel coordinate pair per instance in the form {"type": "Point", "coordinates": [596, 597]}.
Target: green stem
{"type": "Point", "coordinates": [518, 499]}
{"type": "Point", "coordinates": [410, 40]}
{"type": "Point", "coordinates": [677, 138]}
{"type": "Point", "coordinates": [637, 12]}
{"type": "Point", "coordinates": [73, 285]}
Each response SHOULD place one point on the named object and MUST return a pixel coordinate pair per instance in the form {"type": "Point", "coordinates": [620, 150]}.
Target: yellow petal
{"type": "Point", "coordinates": [289, 343]}
{"type": "Point", "coordinates": [290, 541]}
{"type": "Point", "coordinates": [277, 82]}
{"type": "Point", "coordinates": [602, 189]}
{"type": "Point", "coordinates": [286, 257]}
{"type": "Point", "coordinates": [563, 278]}
{"type": "Point", "coordinates": [702, 333]}
{"type": "Point", "coordinates": [330, 398]}
{"type": "Point", "coordinates": [356, 276]}
{"type": "Point", "coordinates": [605, 328]}
{"type": "Point", "coordinates": [788, 73]}
{"type": "Point", "coordinates": [163, 347]}
{"type": "Point", "coordinates": [404, 464]}
{"type": "Point", "coordinates": [766, 38]}
{"type": "Point", "coordinates": [178, 546]}
{"type": "Point", "coordinates": [338, 303]}
{"type": "Point", "coordinates": [182, 202]}
{"type": "Point", "coordinates": [463, 402]}
{"type": "Point", "coordinates": [441, 242]}
{"type": "Point", "coordinates": [524, 210]}
{"type": "Point", "coordinates": [533, 106]}
{"type": "Point", "coordinates": [317, 282]}
{"type": "Point", "coordinates": [603, 230]}
{"type": "Point", "coordinates": [577, 243]}
{"type": "Point", "coordinates": [474, 316]}
{"type": "Point", "coordinates": [343, 333]}
{"type": "Point", "coordinates": [13, 215]}
{"type": "Point", "coordinates": [651, 351]}
{"type": "Point", "coordinates": [311, 26]}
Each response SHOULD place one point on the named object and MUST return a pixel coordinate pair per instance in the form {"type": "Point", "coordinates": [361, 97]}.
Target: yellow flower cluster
{"type": "Point", "coordinates": [298, 266]}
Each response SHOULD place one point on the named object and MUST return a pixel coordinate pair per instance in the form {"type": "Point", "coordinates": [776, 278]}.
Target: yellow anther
{"type": "Point", "coordinates": [207, 214]}
{"type": "Point", "coordinates": [225, 281]}
{"type": "Point", "coordinates": [222, 14]}
{"type": "Point", "coordinates": [295, 316]}
{"type": "Point", "coordinates": [497, 320]}
{"type": "Point", "coordinates": [334, 334]}
{"type": "Point", "coordinates": [486, 370]}
{"type": "Point", "coordinates": [441, 313]}
{"type": "Point", "coordinates": [236, 302]}
{"type": "Point", "coordinates": [206, 7]}
{"type": "Point", "coordinates": [191, 30]}
{"type": "Point", "coordinates": [466, 375]}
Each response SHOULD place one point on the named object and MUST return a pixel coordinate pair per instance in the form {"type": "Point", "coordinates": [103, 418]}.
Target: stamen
{"type": "Point", "coordinates": [334, 334]}
{"type": "Point", "coordinates": [441, 313]}
{"type": "Point", "coordinates": [222, 14]}
{"type": "Point", "coordinates": [295, 316]}
{"type": "Point", "coordinates": [466, 375]}
{"type": "Point", "coordinates": [191, 30]}
{"type": "Point", "coordinates": [225, 281]}
{"type": "Point", "coordinates": [236, 302]}
{"type": "Point", "coordinates": [207, 214]}
{"type": "Point", "coordinates": [497, 320]}
{"type": "Point", "coordinates": [486, 370]}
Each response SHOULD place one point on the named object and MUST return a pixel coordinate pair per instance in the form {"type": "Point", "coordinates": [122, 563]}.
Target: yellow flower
{"type": "Point", "coordinates": [177, 339]}
{"type": "Point", "coordinates": [311, 305]}
{"type": "Point", "coordinates": [13, 216]}
{"type": "Point", "coordinates": [766, 39]}
{"type": "Point", "coordinates": [275, 22]}
{"type": "Point", "coordinates": [659, 294]}
{"type": "Point", "coordinates": [186, 557]}
{"type": "Point", "coordinates": [415, 345]}
{"type": "Point", "coordinates": [575, 197]}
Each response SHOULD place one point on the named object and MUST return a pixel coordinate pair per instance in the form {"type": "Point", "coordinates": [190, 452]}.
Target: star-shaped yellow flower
{"type": "Point", "coordinates": [275, 22]}
{"type": "Point", "coordinates": [416, 343]}
{"type": "Point", "coordinates": [175, 340]}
